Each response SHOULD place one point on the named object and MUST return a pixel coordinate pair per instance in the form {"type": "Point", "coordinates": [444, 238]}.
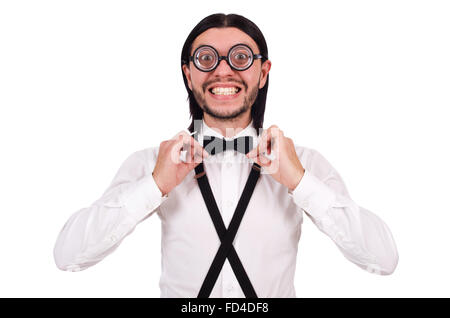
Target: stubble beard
{"type": "Point", "coordinates": [249, 100]}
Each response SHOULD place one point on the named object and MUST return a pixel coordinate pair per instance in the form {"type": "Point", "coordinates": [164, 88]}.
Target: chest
{"type": "Point", "coordinates": [270, 212]}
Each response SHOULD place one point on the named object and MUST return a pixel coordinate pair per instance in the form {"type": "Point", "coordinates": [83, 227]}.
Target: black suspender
{"type": "Point", "coordinates": [226, 249]}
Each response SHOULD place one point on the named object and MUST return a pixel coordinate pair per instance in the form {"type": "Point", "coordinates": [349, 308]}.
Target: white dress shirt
{"type": "Point", "coordinates": [266, 241]}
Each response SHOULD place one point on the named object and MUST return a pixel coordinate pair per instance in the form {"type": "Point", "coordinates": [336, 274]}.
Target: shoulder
{"type": "Point", "coordinates": [149, 154]}
{"type": "Point", "coordinates": [139, 163]}
{"type": "Point", "coordinates": [314, 162]}
{"type": "Point", "coordinates": [143, 155]}
{"type": "Point", "coordinates": [310, 158]}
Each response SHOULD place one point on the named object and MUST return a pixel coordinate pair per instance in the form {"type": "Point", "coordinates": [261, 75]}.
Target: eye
{"type": "Point", "coordinates": [241, 56]}
{"type": "Point", "coordinates": [206, 57]}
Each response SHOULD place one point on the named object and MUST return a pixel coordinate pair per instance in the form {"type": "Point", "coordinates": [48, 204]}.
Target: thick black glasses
{"type": "Point", "coordinates": [240, 57]}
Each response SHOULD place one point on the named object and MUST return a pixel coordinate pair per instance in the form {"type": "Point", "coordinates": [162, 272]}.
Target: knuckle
{"type": "Point", "coordinates": [179, 135]}
{"type": "Point", "coordinates": [273, 127]}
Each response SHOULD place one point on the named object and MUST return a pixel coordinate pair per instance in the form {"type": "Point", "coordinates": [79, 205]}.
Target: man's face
{"type": "Point", "coordinates": [205, 85]}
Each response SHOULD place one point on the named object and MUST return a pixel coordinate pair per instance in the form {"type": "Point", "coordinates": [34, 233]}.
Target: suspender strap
{"type": "Point", "coordinates": [226, 249]}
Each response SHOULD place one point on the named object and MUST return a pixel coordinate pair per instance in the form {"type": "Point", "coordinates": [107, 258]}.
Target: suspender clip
{"type": "Point", "coordinates": [199, 175]}
{"type": "Point", "coordinates": [256, 167]}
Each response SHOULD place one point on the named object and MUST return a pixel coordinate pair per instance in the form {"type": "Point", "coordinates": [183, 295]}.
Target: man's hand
{"type": "Point", "coordinates": [285, 167]}
{"type": "Point", "coordinates": [169, 169]}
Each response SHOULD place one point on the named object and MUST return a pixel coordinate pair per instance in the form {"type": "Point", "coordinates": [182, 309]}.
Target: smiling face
{"type": "Point", "coordinates": [224, 93]}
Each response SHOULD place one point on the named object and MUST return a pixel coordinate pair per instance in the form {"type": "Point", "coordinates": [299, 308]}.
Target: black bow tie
{"type": "Point", "coordinates": [214, 145]}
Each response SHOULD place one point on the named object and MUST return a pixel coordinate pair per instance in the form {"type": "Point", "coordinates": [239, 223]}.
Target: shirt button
{"type": "Point", "coordinates": [229, 165]}
{"type": "Point", "coordinates": [113, 238]}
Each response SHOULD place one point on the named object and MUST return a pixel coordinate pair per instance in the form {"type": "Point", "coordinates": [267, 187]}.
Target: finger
{"type": "Point", "coordinates": [187, 166]}
{"type": "Point", "coordinates": [262, 154]}
{"type": "Point", "coordinates": [186, 148]}
{"type": "Point", "coordinates": [269, 137]}
{"type": "Point", "coordinates": [176, 150]}
{"type": "Point", "coordinates": [182, 148]}
{"type": "Point", "coordinates": [193, 145]}
{"type": "Point", "coordinates": [181, 133]}
{"type": "Point", "coordinates": [191, 165]}
{"type": "Point", "coordinates": [274, 136]}
{"type": "Point", "coordinates": [256, 160]}
{"type": "Point", "coordinates": [196, 153]}
{"type": "Point", "coordinates": [263, 161]}
{"type": "Point", "coordinates": [198, 149]}
{"type": "Point", "coordinates": [269, 156]}
{"type": "Point", "coordinates": [263, 142]}
{"type": "Point", "coordinates": [260, 147]}
{"type": "Point", "coordinates": [269, 146]}
{"type": "Point", "coordinates": [185, 137]}
{"type": "Point", "coordinates": [252, 153]}
{"type": "Point", "coordinates": [190, 153]}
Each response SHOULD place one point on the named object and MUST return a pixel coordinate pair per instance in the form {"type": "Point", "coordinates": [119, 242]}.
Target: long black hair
{"type": "Point", "coordinates": [220, 20]}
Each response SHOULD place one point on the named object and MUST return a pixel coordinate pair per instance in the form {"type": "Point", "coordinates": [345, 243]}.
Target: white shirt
{"type": "Point", "coordinates": [266, 241]}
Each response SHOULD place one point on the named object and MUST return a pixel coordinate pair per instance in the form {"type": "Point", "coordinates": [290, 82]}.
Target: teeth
{"type": "Point", "coordinates": [224, 90]}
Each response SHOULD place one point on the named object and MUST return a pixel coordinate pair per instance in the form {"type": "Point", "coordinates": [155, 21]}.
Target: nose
{"type": "Point", "coordinates": [223, 69]}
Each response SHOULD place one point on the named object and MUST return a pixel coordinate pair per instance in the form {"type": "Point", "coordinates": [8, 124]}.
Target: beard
{"type": "Point", "coordinates": [249, 100]}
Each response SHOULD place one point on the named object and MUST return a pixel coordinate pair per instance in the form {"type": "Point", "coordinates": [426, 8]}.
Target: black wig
{"type": "Point", "coordinates": [221, 20]}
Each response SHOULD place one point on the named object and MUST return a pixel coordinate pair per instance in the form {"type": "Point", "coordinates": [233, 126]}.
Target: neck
{"type": "Point", "coordinates": [228, 128]}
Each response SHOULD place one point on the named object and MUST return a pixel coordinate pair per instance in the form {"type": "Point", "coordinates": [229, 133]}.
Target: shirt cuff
{"type": "Point", "coordinates": [313, 195]}
{"type": "Point", "coordinates": [143, 197]}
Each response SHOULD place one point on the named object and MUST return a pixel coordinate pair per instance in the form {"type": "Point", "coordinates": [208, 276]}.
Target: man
{"type": "Point", "coordinates": [231, 197]}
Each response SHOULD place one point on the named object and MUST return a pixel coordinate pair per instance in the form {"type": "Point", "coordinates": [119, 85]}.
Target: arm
{"type": "Point", "coordinates": [362, 237]}
{"type": "Point", "coordinates": [317, 189]}
{"type": "Point", "coordinates": [94, 232]}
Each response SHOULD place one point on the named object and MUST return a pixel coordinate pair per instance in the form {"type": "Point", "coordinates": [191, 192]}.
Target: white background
{"type": "Point", "coordinates": [83, 84]}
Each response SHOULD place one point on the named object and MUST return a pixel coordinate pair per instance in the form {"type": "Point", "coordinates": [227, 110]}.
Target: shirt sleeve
{"type": "Point", "coordinates": [362, 236]}
{"type": "Point", "coordinates": [94, 232]}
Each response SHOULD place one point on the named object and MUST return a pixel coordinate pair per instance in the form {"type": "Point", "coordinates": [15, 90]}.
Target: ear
{"type": "Point", "coordinates": [187, 73]}
{"type": "Point", "coordinates": [265, 68]}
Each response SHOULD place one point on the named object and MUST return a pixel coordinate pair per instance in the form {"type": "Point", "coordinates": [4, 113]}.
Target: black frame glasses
{"type": "Point", "coordinates": [194, 58]}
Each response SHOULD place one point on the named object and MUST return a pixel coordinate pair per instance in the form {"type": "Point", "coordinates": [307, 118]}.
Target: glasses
{"type": "Point", "coordinates": [240, 57]}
